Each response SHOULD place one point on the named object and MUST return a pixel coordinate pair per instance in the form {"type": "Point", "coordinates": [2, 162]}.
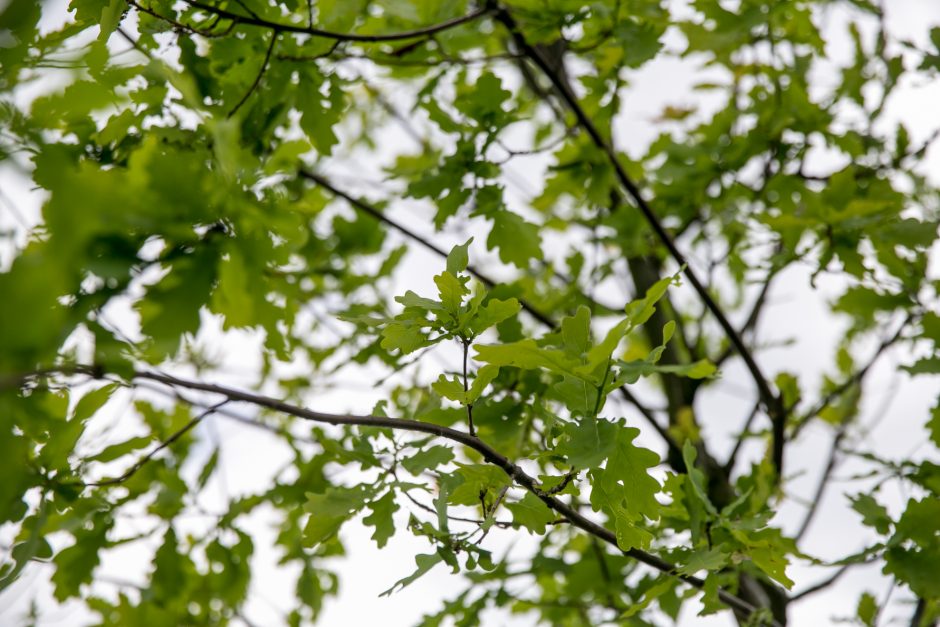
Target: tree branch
{"type": "Point", "coordinates": [489, 454]}
{"type": "Point", "coordinates": [426, 243]}
{"type": "Point", "coordinates": [729, 465]}
{"type": "Point", "coordinates": [770, 400]}
{"type": "Point", "coordinates": [375, 213]}
{"type": "Point", "coordinates": [753, 316]}
{"type": "Point", "coordinates": [278, 27]}
{"type": "Point", "coordinates": [257, 81]}
{"type": "Point", "coordinates": [823, 482]}
{"type": "Point", "coordinates": [140, 463]}
{"type": "Point", "coordinates": [822, 585]}
{"type": "Point", "coordinates": [854, 379]}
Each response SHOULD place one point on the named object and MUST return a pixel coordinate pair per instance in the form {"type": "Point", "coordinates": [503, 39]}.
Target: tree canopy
{"type": "Point", "coordinates": [428, 252]}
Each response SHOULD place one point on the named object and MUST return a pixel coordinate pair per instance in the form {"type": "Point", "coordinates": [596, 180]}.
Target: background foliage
{"type": "Point", "coordinates": [210, 176]}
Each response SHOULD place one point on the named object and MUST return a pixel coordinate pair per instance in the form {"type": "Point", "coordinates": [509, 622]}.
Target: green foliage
{"type": "Point", "coordinates": [259, 192]}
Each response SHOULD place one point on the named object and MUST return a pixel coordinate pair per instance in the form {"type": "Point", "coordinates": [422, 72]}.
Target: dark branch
{"type": "Point", "coordinates": [489, 454]}
{"type": "Point", "coordinates": [381, 217]}
{"type": "Point", "coordinates": [852, 381]}
{"type": "Point", "coordinates": [257, 81]}
{"type": "Point", "coordinates": [279, 27]}
{"type": "Point", "coordinates": [729, 465]}
{"type": "Point", "coordinates": [822, 585]}
{"type": "Point", "coordinates": [771, 401]}
{"type": "Point", "coordinates": [375, 213]}
{"type": "Point", "coordinates": [140, 463]}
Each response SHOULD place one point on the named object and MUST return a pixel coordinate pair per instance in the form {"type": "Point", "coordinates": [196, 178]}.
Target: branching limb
{"type": "Point", "coordinates": [490, 455]}
{"type": "Point", "coordinates": [732, 458]}
{"type": "Point", "coordinates": [822, 585]}
{"type": "Point", "coordinates": [278, 27]}
{"type": "Point", "coordinates": [257, 81]}
{"type": "Point", "coordinates": [375, 213]}
{"type": "Point", "coordinates": [853, 380]}
{"type": "Point", "coordinates": [130, 472]}
{"type": "Point", "coordinates": [771, 401]}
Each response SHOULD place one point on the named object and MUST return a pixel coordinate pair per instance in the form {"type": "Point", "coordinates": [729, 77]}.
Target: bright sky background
{"type": "Point", "coordinates": [896, 405]}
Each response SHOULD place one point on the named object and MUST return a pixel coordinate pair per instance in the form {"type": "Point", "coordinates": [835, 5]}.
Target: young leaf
{"type": "Point", "coordinates": [381, 518]}
{"type": "Point", "coordinates": [531, 513]}
{"type": "Point", "coordinates": [458, 258]}
{"type": "Point", "coordinates": [424, 563]}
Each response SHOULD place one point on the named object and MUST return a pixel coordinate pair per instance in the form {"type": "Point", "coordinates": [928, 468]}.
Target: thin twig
{"type": "Point", "coordinates": [466, 348]}
{"type": "Point", "coordinates": [822, 585]}
{"type": "Point", "coordinates": [130, 472]}
{"type": "Point", "coordinates": [257, 81]}
{"type": "Point", "coordinates": [729, 465]}
{"type": "Point", "coordinates": [853, 380]}
{"type": "Point", "coordinates": [823, 481]}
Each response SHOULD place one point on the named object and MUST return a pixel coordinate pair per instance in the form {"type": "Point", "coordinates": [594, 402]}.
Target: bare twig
{"type": "Point", "coordinates": [822, 585]}
{"type": "Point", "coordinates": [823, 481]}
{"type": "Point", "coordinates": [853, 380]}
{"type": "Point", "coordinates": [130, 472]}
{"type": "Point", "coordinates": [729, 465]}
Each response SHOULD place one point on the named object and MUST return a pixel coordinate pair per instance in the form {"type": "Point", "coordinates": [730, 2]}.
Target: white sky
{"type": "Point", "coordinates": [798, 314]}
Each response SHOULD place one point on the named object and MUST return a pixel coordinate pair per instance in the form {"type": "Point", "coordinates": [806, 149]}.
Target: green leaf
{"type": "Point", "coordinates": [531, 513]}
{"type": "Point", "coordinates": [695, 478]}
{"type": "Point", "coordinates": [330, 509]}
{"type": "Point", "coordinates": [867, 610]}
{"type": "Point", "coordinates": [483, 378]}
{"type": "Point", "coordinates": [518, 241]}
{"type": "Point", "coordinates": [171, 307]}
{"type": "Point", "coordinates": [208, 469]}
{"type": "Point", "coordinates": [451, 290]}
{"type": "Point", "coordinates": [576, 332]}
{"type": "Point", "coordinates": [589, 442]}
{"type": "Point", "coordinates": [873, 513]}
{"type": "Point", "coordinates": [172, 569]}
{"type": "Point", "coordinates": [381, 518]}
{"type": "Point", "coordinates": [528, 355]}
{"type": "Point", "coordinates": [406, 337]}
{"type": "Point", "coordinates": [629, 534]}
{"type": "Point", "coordinates": [75, 564]}
{"type": "Point", "coordinates": [494, 312]}
{"type": "Point", "coordinates": [425, 563]}
{"type": "Point", "coordinates": [451, 389]}
{"type": "Point", "coordinates": [121, 449]}
{"type": "Point", "coordinates": [410, 299]}
{"type": "Point", "coordinates": [933, 425]}
{"type": "Point", "coordinates": [91, 402]}
{"type": "Point", "coordinates": [427, 459]}
{"type": "Point", "coordinates": [927, 365]}
{"type": "Point", "coordinates": [458, 258]}
{"type": "Point", "coordinates": [234, 298]}
{"type": "Point", "coordinates": [703, 559]}
{"type": "Point", "coordinates": [110, 18]}
{"type": "Point", "coordinates": [625, 484]}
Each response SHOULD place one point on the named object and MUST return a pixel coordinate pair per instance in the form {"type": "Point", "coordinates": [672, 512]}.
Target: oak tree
{"type": "Point", "coordinates": [421, 248]}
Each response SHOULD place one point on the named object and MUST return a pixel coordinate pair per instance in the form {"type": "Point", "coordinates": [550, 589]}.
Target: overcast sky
{"type": "Point", "coordinates": [798, 314]}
